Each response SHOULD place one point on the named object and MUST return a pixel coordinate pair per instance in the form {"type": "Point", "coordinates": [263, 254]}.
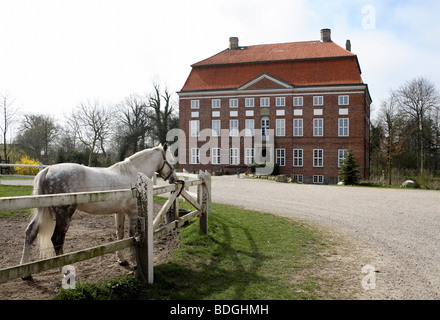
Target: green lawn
{"type": "Point", "coordinates": [15, 191]}
{"type": "Point", "coordinates": [246, 255]}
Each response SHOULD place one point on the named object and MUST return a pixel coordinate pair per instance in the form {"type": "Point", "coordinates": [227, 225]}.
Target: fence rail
{"type": "Point", "coordinates": [146, 228]}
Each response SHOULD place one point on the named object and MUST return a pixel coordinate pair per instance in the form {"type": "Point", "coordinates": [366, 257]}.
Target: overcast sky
{"type": "Point", "coordinates": [56, 53]}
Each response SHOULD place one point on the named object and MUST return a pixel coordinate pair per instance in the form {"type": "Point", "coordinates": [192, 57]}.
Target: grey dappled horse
{"type": "Point", "coordinates": [51, 224]}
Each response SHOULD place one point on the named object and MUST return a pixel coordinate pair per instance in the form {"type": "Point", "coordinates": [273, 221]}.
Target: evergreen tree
{"type": "Point", "coordinates": [349, 172]}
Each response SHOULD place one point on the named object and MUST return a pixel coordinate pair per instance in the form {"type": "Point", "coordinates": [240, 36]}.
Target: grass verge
{"type": "Point", "coordinates": [247, 255]}
{"type": "Point", "coordinates": [15, 191]}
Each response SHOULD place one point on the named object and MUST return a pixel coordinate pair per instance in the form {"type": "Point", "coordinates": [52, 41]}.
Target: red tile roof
{"type": "Point", "coordinates": [299, 63]}
{"type": "Point", "coordinates": [277, 52]}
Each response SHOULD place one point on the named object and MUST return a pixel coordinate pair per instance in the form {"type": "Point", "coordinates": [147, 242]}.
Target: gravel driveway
{"type": "Point", "coordinates": [397, 230]}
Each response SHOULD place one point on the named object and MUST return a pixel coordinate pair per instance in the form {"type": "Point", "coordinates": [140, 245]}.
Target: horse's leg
{"type": "Point", "coordinates": [132, 217]}
{"type": "Point", "coordinates": [119, 220]}
{"type": "Point", "coordinates": [31, 235]}
{"type": "Point", "coordinates": [63, 216]}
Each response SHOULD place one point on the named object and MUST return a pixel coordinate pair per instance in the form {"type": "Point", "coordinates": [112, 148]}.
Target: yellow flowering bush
{"type": "Point", "coordinates": [26, 170]}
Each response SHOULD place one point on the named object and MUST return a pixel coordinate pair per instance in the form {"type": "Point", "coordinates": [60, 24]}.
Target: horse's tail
{"type": "Point", "coordinates": [45, 219]}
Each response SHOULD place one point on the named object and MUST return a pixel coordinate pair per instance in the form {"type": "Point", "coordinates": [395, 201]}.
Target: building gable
{"type": "Point", "coordinates": [265, 81]}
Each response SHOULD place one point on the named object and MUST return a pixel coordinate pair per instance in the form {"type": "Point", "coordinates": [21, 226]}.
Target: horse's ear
{"type": "Point", "coordinates": [165, 147]}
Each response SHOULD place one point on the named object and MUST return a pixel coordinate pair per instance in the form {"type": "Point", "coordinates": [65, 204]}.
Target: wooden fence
{"type": "Point", "coordinates": [147, 228]}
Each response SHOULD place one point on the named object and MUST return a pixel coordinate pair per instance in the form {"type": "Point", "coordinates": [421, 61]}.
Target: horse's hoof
{"type": "Point", "coordinates": [27, 278]}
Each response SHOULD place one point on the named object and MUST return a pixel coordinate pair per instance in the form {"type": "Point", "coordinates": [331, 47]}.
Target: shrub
{"type": "Point", "coordinates": [349, 172]}
{"type": "Point", "coordinates": [27, 170]}
{"type": "Point", "coordinates": [276, 167]}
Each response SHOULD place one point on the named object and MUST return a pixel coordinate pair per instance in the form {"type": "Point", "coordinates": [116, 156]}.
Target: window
{"type": "Point", "coordinates": [318, 158]}
{"type": "Point", "coordinates": [297, 127]}
{"type": "Point", "coordinates": [343, 127]}
{"type": "Point", "coordinates": [248, 156]}
{"type": "Point", "coordinates": [265, 126]}
{"type": "Point", "coordinates": [215, 155]}
{"type": "Point", "coordinates": [299, 178]}
{"type": "Point", "coordinates": [215, 103]}
{"type": "Point", "coordinates": [195, 128]}
{"type": "Point", "coordinates": [297, 157]}
{"type": "Point", "coordinates": [342, 154]}
{"type": "Point", "coordinates": [318, 101]}
{"type": "Point", "coordinates": [281, 157]}
{"type": "Point", "coordinates": [318, 179]}
{"type": "Point", "coordinates": [280, 101]}
{"type": "Point", "coordinates": [264, 102]}
{"type": "Point", "coordinates": [249, 127]}
{"type": "Point", "coordinates": [195, 156]}
{"type": "Point", "coordinates": [298, 101]}
{"type": "Point", "coordinates": [280, 127]}
{"type": "Point", "coordinates": [195, 104]}
{"type": "Point", "coordinates": [233, 103]}
{"type": "Point", "coordinates": [344, 100]}
{"type": "Point", "coordinates": [318, 127]}
{"type": "Point", "coordinates": [249, 102]}
{"type": "Point", "coordinates": [216, 129]}
{"type": "Point", "coordinates": [233, 156]}
{"type": "Point", "coordinates": [233, 128]}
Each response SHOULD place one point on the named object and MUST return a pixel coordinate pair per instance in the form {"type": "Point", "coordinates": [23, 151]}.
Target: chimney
{"type": "Point", "coordinates": [233, 43]}
{"type": "Point", "coordinates": [326, 35]}
{"type": "Point", "coordinates": [348, 45]}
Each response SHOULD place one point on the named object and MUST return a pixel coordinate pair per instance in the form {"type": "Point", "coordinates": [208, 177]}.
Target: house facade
{"type": "Point", "coordinates": [300, 104]}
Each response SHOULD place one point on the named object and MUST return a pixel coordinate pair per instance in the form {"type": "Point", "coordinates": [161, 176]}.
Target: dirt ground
{"type": "Point", "coordinates": [85, 231]}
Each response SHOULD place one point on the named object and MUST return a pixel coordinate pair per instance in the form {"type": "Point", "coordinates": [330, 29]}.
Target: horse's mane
{"type": "Point", "coordinates": [124, 167]}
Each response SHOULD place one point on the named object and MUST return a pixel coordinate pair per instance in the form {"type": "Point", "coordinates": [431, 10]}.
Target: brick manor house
{"type": "Point", "coordinates": [307, 99]}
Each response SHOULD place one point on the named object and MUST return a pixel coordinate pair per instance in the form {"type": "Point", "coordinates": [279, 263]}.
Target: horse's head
{"type": "Point", "coordinates": [166, 169]}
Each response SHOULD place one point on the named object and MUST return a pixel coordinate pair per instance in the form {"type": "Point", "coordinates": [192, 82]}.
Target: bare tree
{"type": "Point", "coordinates": [8, 116]}
{"type": "Point", "coordinates": [417, 99]}
{"type": "Point", "coordinates": [37, 134]}
{"type": "Point", "coordinates": [92, 124]}
{"type": "Point", "coordinates": [134, 125]}
{"type": "Point", "coordinates": [163, 117]}
{"type": "Point", "coordinates": [391, 144]}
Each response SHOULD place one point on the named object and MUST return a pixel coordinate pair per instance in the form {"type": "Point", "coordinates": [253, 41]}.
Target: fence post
{"type": "Point", "coordinates": [144, 229]}
{"type": "Point", "coordinates": [203, 196]}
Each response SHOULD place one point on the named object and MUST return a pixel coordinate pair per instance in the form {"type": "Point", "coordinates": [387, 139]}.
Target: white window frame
{"type": "Point", "coordinates": [249, 156]}
{"type": "Point", "coordinates": [343, 127]}
{"type": "Point", "coordinates": [216, 155]}
{"type": "Point", "coordinates": [249, 102]}
{"type": "Point", "coordinates": [249, 125]}
{"type": "Point", "coordinates": [318, 158]}
{"type": "Point", "coordinates": [280, 101]}
{"type": "Point", "coordinates": [298, 161]}
{"type": "Point", "coordinates": [298, 101]}
{"type": "Point", "coordinates": [299, 178]}
{"type": "Point", "coordinates": [318, 179]}
{"type": "Point", "coordinates": [280, 130]}
{"type": "Point", "coordinates": [233, 103]}
{"type": "Point", "coordinates": [233, 128]}
{"type": "Point", "coordinates": [215, 103]}
{"type": "Point", "coordinates": [265, 102]}
{"type": "Point", "coordinates": [298, 127]}
{"type": "Point", "coordinates": [342, 155]}
{"type": "Point", "coordinates": [234, 157]}
{"type": "Point", "coordinates": [216, 128]}
{"type": "Point", "coordinates": [195, 104]}
{"type": "Point", "coordinates": [195, 155]}
{"type": "Point", "coordinates": [195, 128]}
{"type": "Point", "coordinates": [281, 157]}
{"type": "Point", "coordinates": [318, 100]}
{"type": "Point", "coordinates": [344, 100]}
{"type": "Point", "coordinates": [318, 127]}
